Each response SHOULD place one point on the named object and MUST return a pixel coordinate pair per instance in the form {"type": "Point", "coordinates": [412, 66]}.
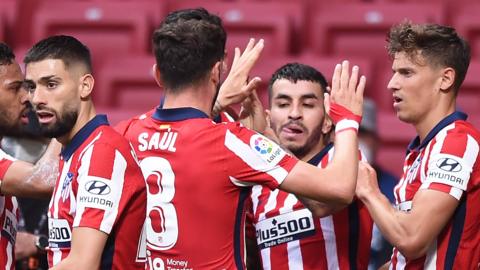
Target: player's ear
{"type": "Point", "coordinates": [448, 78]}
{"type": "Point", "coordinates": [327, 124]}
{"type": "Point", "coordinates": [216, 72]}
{"type": "Point", "coordinates": [156, 75]}
{"type": "Point", "coordinates": [86, 85]}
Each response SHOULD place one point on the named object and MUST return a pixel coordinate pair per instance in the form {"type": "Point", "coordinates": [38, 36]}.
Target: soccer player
{"type": "Point", "coordinates": [287, 234]}
{"type": "Point", "coordinates": [198, 172]}
{"type": "Point", "coordinates": [436, 219]}
{"type": "Point", "coordinates": [98, 206]}
{"type": "Point", "coordinates": [16, 177]}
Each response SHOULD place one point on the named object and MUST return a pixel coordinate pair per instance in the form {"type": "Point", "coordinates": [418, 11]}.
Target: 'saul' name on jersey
{"type": "Point", "coordinates": [284, 228]}
{"type": "Point", "coordinates": [157, 141]}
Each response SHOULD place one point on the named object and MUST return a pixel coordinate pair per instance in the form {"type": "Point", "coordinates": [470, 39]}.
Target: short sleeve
{"type": "Point", "coordinates": [5, 163]}
{"type": "Point", "coordinates": [101, 177]}
{"type": "Point", "coordinates": [255, 159]}
{"type": "Point", "coordinates": [450, 164]}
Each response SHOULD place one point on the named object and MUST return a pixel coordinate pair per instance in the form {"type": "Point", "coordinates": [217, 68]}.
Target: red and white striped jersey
{"type": "Point", "coordinates": [447, 161]}
{"type": "Point", "coordinates": [9, 213]}
{"type": "Point", "coordinates": [198, 176]}
{"type": "Point", "coordinates": [100, 186]}
{"type": "Point", "coordinates": [289, 237]}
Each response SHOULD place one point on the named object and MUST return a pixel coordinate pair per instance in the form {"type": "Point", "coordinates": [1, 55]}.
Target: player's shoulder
{"type": "Point", "coordinates": [123, 127]}
{"type": "Point", "coordinates": [461, 128]}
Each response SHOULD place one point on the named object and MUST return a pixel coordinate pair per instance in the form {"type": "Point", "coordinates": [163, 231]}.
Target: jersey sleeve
{"type": "Point", "coordinates": [254, 159]}
{"type": "Point", "coordinates": [101, 177]}
{"type": "Point", "coordinates": [450, 164]}
{"type": "Point", "coordinates": [5, 163]}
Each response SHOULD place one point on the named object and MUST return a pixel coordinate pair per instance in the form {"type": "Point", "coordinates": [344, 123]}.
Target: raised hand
{"type": "Point", "coordinates": [347, 90]}
{"type": "Point", "coordinates": [236, 86]}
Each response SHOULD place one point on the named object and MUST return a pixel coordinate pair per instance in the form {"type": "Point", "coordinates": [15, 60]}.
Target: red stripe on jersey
{"type": "Point", "coordinates": [457, 243]}
{"type": "Point", "coordinates": [102, 161]}
{"type": "Point", "coordinates": [4, 165]}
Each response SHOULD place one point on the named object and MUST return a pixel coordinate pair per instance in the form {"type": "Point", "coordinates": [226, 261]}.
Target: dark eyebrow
{"type": "Point", "coordinates": [307, 96]}
{"type": "Point", "coordinates": [45, 79]}
{"type": "Point", "coordinates": [283, 96]}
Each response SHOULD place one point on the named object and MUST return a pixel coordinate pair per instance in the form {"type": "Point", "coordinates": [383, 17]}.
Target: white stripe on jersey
{"type": "Point", "coordinates": [290, 201]}
{"type": "Point", "coordinates": [270, 205]}
{"type": "Point", "coordinates": [256, 192]}
{"type": "Point", "coordinates": [245, 152]}
{"type": "Point", "coordinates": [57, 256]}
{"type": "Point", "coordinates": [328, 231]}
{"type": "Point", "coordinates": [431, 257]}
{"type": "Point", "coordinates": [265, 253]}
{"type": "Point", "coordinates": [295, 259]}
{"type": "Point", "coordinates": [8, 264]}
{"type": "Point", "coordinates": [471, 153]}
{"type": "Point", "coordinates": [54, 201]}
{"type": "Point", "coordinates": [118, 178]}
{"type": "Point", "coordinates": [9, 245]}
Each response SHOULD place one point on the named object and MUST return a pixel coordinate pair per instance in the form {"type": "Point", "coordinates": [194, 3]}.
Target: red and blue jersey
{"type": "Point", "coordinates": [290, 237]}
{"type": "Point", "coordinates": [9, 213]}
{"type": "Point", "coordinates": [446, 161]}
{"type": "Point", "coordinates": [100, 186]}
{"type": "Point", "coordinates": [199, 174]}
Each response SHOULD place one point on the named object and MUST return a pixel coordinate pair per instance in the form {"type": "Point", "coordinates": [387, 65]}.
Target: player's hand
{"type": "Point", "coordinates": [366, 180]}
{"type": "Point", "coordinates": [236, 86]}
{"type": "Point", "coordinates": [347, 90]}
{"type": "Point", "coordinates": [252, 114]}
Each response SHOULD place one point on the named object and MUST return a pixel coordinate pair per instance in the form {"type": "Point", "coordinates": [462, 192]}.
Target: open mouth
{"type": "Point", "coordinates": [45, 117]}
{"type": "Point", "coordinates": [396, 100]}
{"type": "Point", "coordinates": [293, 130]}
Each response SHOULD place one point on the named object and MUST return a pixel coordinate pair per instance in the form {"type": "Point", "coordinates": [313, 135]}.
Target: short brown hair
{"type": "Point", "coordinates": [439, 45]}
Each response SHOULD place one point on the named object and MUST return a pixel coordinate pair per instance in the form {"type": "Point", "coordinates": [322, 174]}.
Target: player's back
{"type": "Point", "coordinates": [196, 189]}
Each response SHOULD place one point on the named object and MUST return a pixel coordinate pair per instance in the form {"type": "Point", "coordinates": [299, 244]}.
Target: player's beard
{"type": "Point", "coordinates": [19, 129]}
{"type": "Point", "coordinates": [300, 151]}
{"type": "Point", "coordinates": [64, 122]}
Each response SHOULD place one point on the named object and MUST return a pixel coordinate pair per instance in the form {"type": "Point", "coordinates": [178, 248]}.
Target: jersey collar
{"type": "Point", "coordinates": [416, 145]}
{"type": "Point", "coordinates": [315, 160]}
{"type": "Point", "coordinates": [178, 114]}
{"type": "Point", "coordinates": [82, 135]}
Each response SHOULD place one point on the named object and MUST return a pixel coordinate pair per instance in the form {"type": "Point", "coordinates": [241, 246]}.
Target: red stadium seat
{"type": "Point", "coordinates": [467, 24]}
{"type": "Point", "coordinates": [7, 21]}
{"type": "Point", "coordinates": [265, 67]}
{"type": "Point", "coordinates": [116, 115]}
{"type": "Point", "coordinates": [395, 136]}
{"type": "Point", "coordinates": [110, 28]}
{"type": "Point", "coordinates": [127, 82]}
{"type": "Point", "coordinates": [364, 30]}
{"type": "Point", "coordinates": [468, 99]}
{"type": "Point", "coordinates": [272, 21]}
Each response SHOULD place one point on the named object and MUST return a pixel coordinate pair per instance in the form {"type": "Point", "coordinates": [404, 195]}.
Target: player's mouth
{"type": "Point", "coordinates": [45, 117]}
{"type": "Point", "coordinates": [293, 131]}
{"type": "Point", "coordinates": [24, 116]}
{"type": "Point", "coordinates": [396, 101]}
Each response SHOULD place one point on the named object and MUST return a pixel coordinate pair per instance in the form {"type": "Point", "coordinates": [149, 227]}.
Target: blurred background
{"type": "Point", "coordinates": [319, 33]}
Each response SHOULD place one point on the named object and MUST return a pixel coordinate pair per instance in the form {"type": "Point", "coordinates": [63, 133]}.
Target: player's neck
{"type": "Point", "coordinates": [193, 97]}
{"type": "Point", "coordinates": [315, 149]}
{"type": "Point", "coordinates": [430, 120]}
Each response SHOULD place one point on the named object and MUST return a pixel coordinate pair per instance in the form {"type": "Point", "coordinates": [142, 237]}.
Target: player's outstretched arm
{"type": "Point", "coordinates": [86, 251]}
{"type": "Point", "coordinates": [236, 86]}
{"type": "Point", "coordinates": [410, 232]}
{"type": "Point", "coordinates": [336, 183]}
{"type": "Point", "coordinates": [28, 180]}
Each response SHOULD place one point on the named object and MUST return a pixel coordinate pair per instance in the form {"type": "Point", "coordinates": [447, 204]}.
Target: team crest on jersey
{"type": "Point", "coordinates": [266, 149]}
{"type": "Point", "coordinates": [66, 187]}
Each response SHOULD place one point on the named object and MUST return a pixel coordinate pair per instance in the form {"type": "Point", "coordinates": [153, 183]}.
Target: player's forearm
{"type": "Point", "coordinates": [391, 224]}
{"type": "Point", "coordinates": [343, 168]}
{"type": "Point", "coordinates": [320, 209]}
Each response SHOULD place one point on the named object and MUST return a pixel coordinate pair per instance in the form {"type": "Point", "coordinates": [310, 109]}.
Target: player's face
{"type": "Point", "coordinates": [55, 95]}
{"type": "Point", "coordinates": [13, 100]}
{"type": "Point", "coordinates": [415, 88]}
{"type": "Point", "coordinates": [297, 115]}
